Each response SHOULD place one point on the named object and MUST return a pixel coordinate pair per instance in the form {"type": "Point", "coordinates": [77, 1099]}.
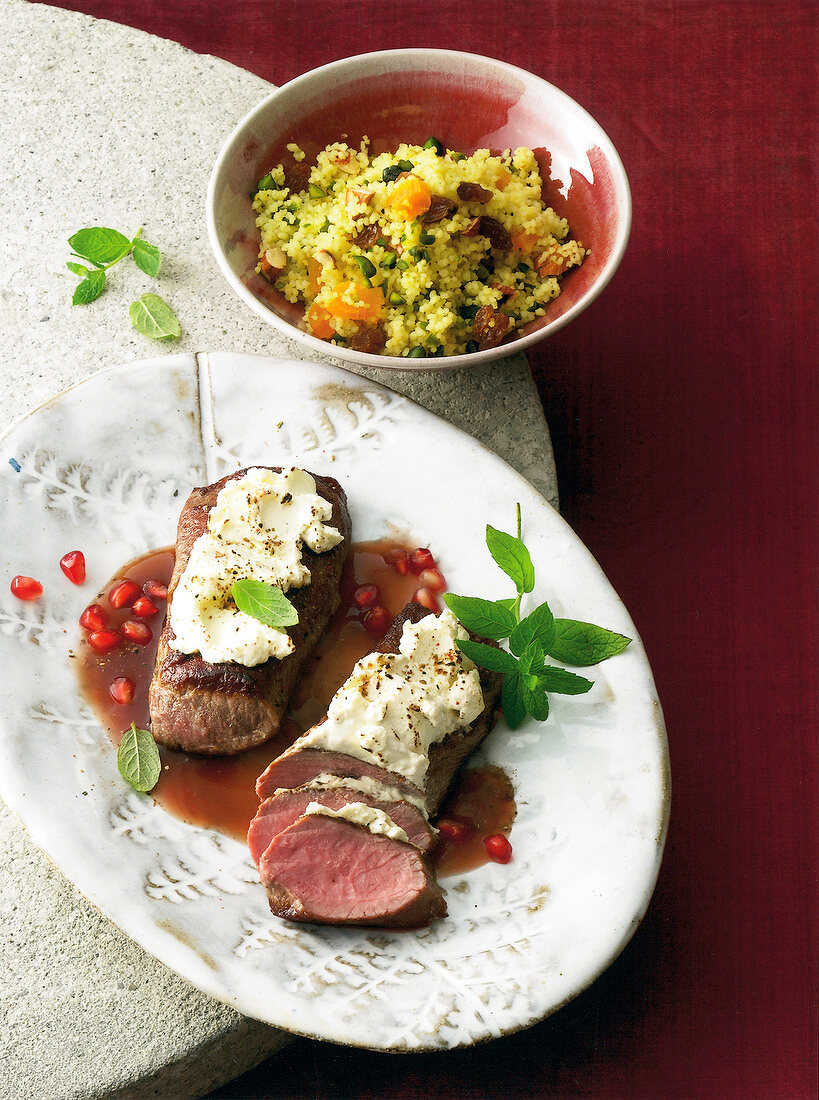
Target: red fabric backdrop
{"type": "Point", "coordinates": [683, 412]}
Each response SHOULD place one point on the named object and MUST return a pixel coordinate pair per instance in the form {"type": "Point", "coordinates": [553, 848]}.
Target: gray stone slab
{"type": "Point", "coordinates": [105, 125]}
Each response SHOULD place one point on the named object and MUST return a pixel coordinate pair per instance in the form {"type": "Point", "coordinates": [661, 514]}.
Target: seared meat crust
{"type": "Point", "coordinates": [227, 707]}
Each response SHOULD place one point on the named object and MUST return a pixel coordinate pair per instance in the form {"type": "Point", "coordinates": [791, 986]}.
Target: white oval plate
{"type": "Point", "coordinates": [105, 468]}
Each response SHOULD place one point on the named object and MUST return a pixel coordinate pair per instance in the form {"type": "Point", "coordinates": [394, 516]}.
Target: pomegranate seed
{"type": "Point", "coordinates": [121, 690]}
{"type": "Point", "coordinates": [498, 848]}
{"type": "Point", "coordinates": [454, 831]}
{"type": "Point", "coordinates": [421, 559]}
{"type": "Point", "coordinates": [434, 579]}
{"type": "Point", "coordinates": [103, 641]}
{"type": "Point", "coordinates": [124, 594]}
{"type": "Point", "coordinates": [144, 608]}
{"type": "Point", "coordinates": [136, 632]}
{"type": "Point", "coordinates": [376, 621]}
{"type": "Point", "coordinates": [73, 565]}
{"type": "Point", "coordinates": [426, 599]}
{"type": "Point", "coordinates": [366, 595]}
{"type": "Point", "coordinates": [399, 560]}
{"type": "Point", "coordinates": [93, 618]}
{"type": "Point", "coordinates": [157, 589]}
{"type": "Point", "coordinates": [26, 588]}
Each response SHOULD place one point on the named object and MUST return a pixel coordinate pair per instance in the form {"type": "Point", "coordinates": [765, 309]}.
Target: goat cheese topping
{"type": "Point", "coordinates": [381, 792]}
{"type": "Point", "coordinates": [395, 706]}
{"type": "Point", "coordinates": [360, 814]}
{"type": "Point", "coordinates": [256, 529]}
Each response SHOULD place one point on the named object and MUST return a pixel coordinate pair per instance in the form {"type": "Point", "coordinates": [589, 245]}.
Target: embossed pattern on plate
{"type": "Point", "coordinates": [105, 468]}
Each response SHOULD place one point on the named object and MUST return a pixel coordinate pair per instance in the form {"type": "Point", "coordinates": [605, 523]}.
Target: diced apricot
{"type": "Point", "coordinates": [410, 198]}
{"type": "Point", "coordinates": [314, 269]}
{"type": "Point", "coordinates": [504, 175]}
{"type": "Point", "coordinates": [523, 241]}
{"type": "Point", "coordinates": [356, 303]}
{"type": "Point", "coordinates": [319, 321]}
{"type": "Point", "coordinates": [550, 264]}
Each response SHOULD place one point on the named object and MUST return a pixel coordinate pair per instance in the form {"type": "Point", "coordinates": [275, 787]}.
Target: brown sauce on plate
{"type": "Point", "coordinates": [220, 792]}
{"type": "Point", "coordinates": [482, 799]}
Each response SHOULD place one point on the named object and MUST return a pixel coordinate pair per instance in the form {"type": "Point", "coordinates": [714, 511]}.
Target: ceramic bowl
{"type": "Point", "coordinates": [466, 101]}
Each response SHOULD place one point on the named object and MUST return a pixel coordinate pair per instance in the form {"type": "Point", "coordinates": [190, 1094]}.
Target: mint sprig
{"type": "Point", "coordinates": [264, 602]}
{"type": "Point", "coordinates": [527, 678]}
{"type": "Point", "coordinates": [102, 248]}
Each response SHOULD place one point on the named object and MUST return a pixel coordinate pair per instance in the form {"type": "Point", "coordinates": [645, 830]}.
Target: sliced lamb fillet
{"type": "Point", "coordinates": [279, 812]}
{"type": "Point", "coordinates": [330, 871]}
{"type": "Point", "coordinates": [227, 707]}
{"type": "Point", "coordinates": [298, 765]}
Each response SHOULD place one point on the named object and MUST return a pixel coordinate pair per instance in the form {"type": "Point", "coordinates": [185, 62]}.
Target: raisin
{"type": "Point", "coordinates": [490, 327]}
{"type": "Point", "coordinates": [473, 192]}
{"type": "Point", "coordinates": [369, 338]}
{"type": "Point", "coordinates": [366, 237]}
{"type": "Point", "coordinates": [439, 208]}
{"type": "Point", "coordinates": [296, 177]}
{"type": "Point", "coordinates": [498, 237]}
{"type": "Point", "coordinates": [472, 228]}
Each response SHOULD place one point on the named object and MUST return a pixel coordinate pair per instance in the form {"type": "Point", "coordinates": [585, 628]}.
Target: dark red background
{"type": "Point", "coordinates": [683, 412]}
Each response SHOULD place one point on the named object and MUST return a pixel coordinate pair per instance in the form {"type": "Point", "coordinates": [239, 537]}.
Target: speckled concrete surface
{"type": "Point", "coordinates": [105, 125]}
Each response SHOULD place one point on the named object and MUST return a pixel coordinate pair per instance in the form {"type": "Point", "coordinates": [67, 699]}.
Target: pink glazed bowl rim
{"type": "Point", "coordinates": [334, 75]}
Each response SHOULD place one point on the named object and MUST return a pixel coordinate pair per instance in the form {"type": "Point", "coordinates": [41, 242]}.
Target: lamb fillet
{"type": "Point", "coordinates": [298, 766]}
{"type": "Point", "coordinates": [330, 871]}
{"type": "Point", "coordinates": [209, 708]}
{"type": "Point", "coordinates": [277, 813]}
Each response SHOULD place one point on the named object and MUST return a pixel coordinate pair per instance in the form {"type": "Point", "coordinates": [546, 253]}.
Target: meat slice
{"type": "Point", "coordinates": [227, 707]}
{"type": "Point", "coordinates": [298, 765]}
{"type": "Point", "coordinates": [279, 812]}
{"type": "Point", "coordinates": [330, 871]}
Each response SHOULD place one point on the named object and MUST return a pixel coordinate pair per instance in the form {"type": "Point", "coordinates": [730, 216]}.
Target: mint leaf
{"type": "Point", "coordinates": [552, 678]}
{"type": "Point", "coordinates": [138, 759]}
{"type": "Point", "coordinates": [487, 656]}
{"type": "Point", "coordinates": [147, 257]}
{"type": "Point", "coordinates": [154, 317]}
{"type": "Point", "coordinates": [78, 269]}
{"type": "Point", "coordinates": [539, 625]}
{"type": "Point", "coordinates": [264, 602]}
{"type": "Point", "coordinates": [578, 643]}
{"type": "Point", "coordinates": [513, 558]}
{"type": "Point", "coordinates": [533, 697]}
{"type": "Point", "coordinates": [514, 709]}
{"type": "Point", "coordinates": [484, 617]}
{"type": "Point", "coordinates": [532, 659]}
{"type": "Point", "coordinates": [100, 246]}
{"type": "Point", "coordinates": [89, 289]}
